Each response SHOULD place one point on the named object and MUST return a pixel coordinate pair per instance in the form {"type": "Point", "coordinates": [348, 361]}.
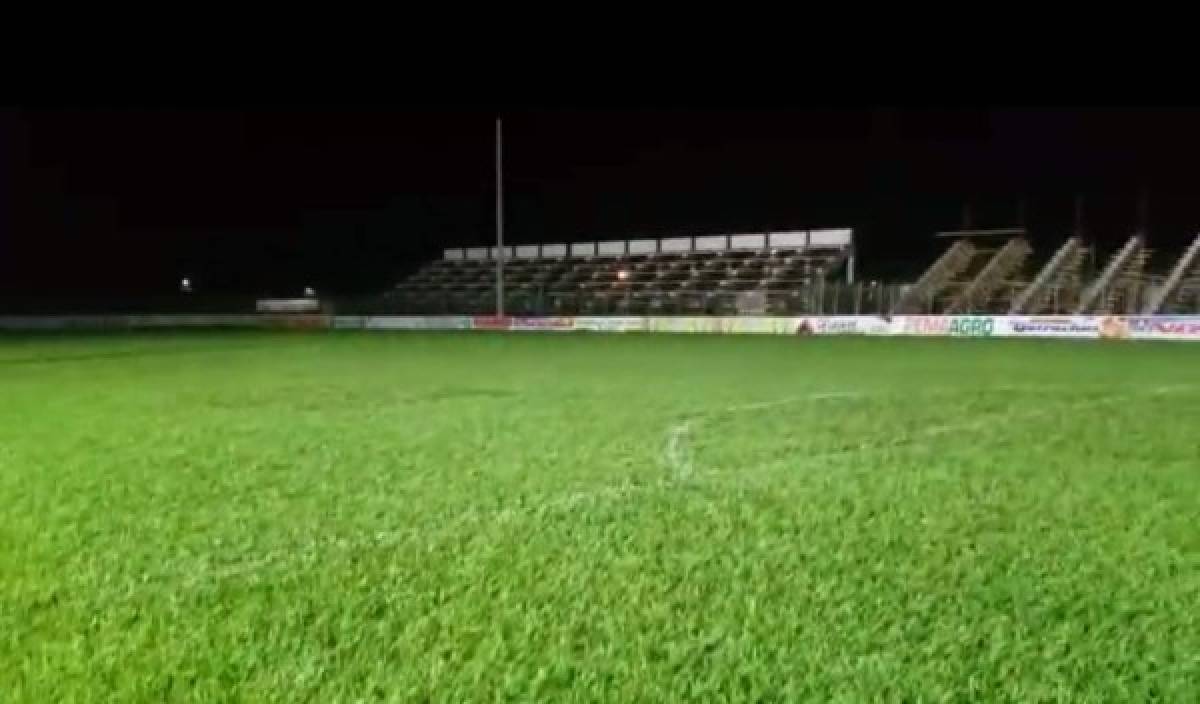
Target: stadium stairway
{"type": "Point", "coordinates": [1186, 269]}
{"type": "Point", "coordinates": [1062, 273]}
{"type": "Point", "coordinates": [1007, 261]}
{"type": "Point", "coordinates": [1101, 294]}
{"type": "Point", "coordinates": [920, 296]}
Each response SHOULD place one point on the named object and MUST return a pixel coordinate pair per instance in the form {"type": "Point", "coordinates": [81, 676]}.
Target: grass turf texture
{"type": "Point", "coordinates": [475, 517]}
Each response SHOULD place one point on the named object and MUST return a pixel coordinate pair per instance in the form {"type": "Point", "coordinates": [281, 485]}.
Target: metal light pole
{"type": "Point", "coordinates": [499, 219]}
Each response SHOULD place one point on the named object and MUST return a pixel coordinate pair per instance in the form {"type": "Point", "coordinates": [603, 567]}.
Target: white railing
{"type": "Point", "coordinates": [840, 238]}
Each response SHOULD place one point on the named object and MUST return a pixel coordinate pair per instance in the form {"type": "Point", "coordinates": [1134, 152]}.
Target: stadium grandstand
{"type": "Point", "coordinates": [718, 274]}
{"type": "Point", "coordinates": [801, 272]}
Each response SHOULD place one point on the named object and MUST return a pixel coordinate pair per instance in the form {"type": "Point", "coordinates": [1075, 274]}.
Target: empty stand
{"type": "Point", "coordinates": [638, 276]}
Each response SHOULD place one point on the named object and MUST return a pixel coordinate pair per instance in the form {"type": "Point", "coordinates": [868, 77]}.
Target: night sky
{"type": "Point", "coordinates": [125, 202]}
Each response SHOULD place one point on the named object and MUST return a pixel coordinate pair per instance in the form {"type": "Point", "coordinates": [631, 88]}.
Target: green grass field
{"type": "Point", "coordinates": [473, 517]}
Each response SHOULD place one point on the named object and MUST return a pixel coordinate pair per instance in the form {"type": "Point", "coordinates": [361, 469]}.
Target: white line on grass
{"type": "Point", "coordinates": [980, 421]}
{"type": "Point", "coordinates": [678, 457]}
{"type": "Point", "coordinates": [678, 452]}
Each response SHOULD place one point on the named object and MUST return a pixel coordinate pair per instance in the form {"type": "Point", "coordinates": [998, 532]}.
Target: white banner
{"type": "Point", "coordinates": [609, 324]}
{"type": "Point", "coordinates": [846, 325]}
{"type": "Point", "coordinates": [1084, 326]}
{"type": "Point", "coordinates": [1163, 327]}
{"type": "Point", "coordinates": [349, 322]}
{"type": "Point", "coordinates": [559, 324]}
{"type": "Point", "coordinates": [418, 322]}
{"type": "Point", "coordinates": [723, 324]}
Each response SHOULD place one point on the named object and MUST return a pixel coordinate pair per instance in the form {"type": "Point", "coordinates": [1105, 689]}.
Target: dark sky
{"type": "Point", "coordinates": [264, 201]}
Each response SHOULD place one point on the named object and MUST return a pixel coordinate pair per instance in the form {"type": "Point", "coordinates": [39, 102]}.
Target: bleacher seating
{"type": "Point", "coordinates": [689, 281]}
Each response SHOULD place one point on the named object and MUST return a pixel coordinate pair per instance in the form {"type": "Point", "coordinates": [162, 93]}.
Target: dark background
{"type": "Point", "coordinates": [124, 202]}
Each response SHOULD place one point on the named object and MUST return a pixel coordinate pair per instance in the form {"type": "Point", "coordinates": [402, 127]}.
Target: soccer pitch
{"type": "Point", "coordinates": [492, 517]}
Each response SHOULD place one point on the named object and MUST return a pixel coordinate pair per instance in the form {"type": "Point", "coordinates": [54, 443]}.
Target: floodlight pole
{"type": "Point", "coordinates": [499, 219]}
{"type": "Point", "coordinates": [1143, 212]}
{"type": "Point", "coordinates": [1078, 226]}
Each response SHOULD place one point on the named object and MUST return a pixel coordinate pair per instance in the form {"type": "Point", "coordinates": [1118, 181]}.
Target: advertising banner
{"type": "Point", "coordinates": [723, 325]}
{"type": "Point", "coordinates": [923, 325]}
{"type": "Point", "coordinates": [707, 324]}
{"type": "Point", "coordinates": [449, 322]}
{"type": "Point", "coordinates": [1164, 327]}
{"type": "Point", "coordinates": [972, 326]}
{"type": "Point", "coordinates": [848, 325]}
{"type": "Point", "coordinates": [1150, 327]}
{"type": "Point", "coordinates": [1050, 326]}
{"type": "Point", "coordinates": [558, 324]}
{"type": "Point", "coordinates": [418, 322]}
{"type": "Point", "coordinates": [609, 324]}
{"type": "Point", "coordinates": [941, 325]}
{"type": "Point", "coordinates": [1114, 327]}
{"type": "Point", "coordinates": [491, 322]}
{"type": "Point", "coordinates": [349, 322]}
{"type": "Point", "coordinates": [398, 322]}
{"type": "Point", "coordinates": [682, 324]}
{"type": "Point", "coordinates": [770, 325]}
{"type": "Point", "coordinates": [836, 326]}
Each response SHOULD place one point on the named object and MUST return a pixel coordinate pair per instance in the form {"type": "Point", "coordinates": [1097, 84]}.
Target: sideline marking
{"type": "Point", "coordinates": [677, 452]}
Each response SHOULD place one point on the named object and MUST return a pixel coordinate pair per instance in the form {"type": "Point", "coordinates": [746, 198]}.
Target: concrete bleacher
{"type": "Point", "coordinates": [672, 275]}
